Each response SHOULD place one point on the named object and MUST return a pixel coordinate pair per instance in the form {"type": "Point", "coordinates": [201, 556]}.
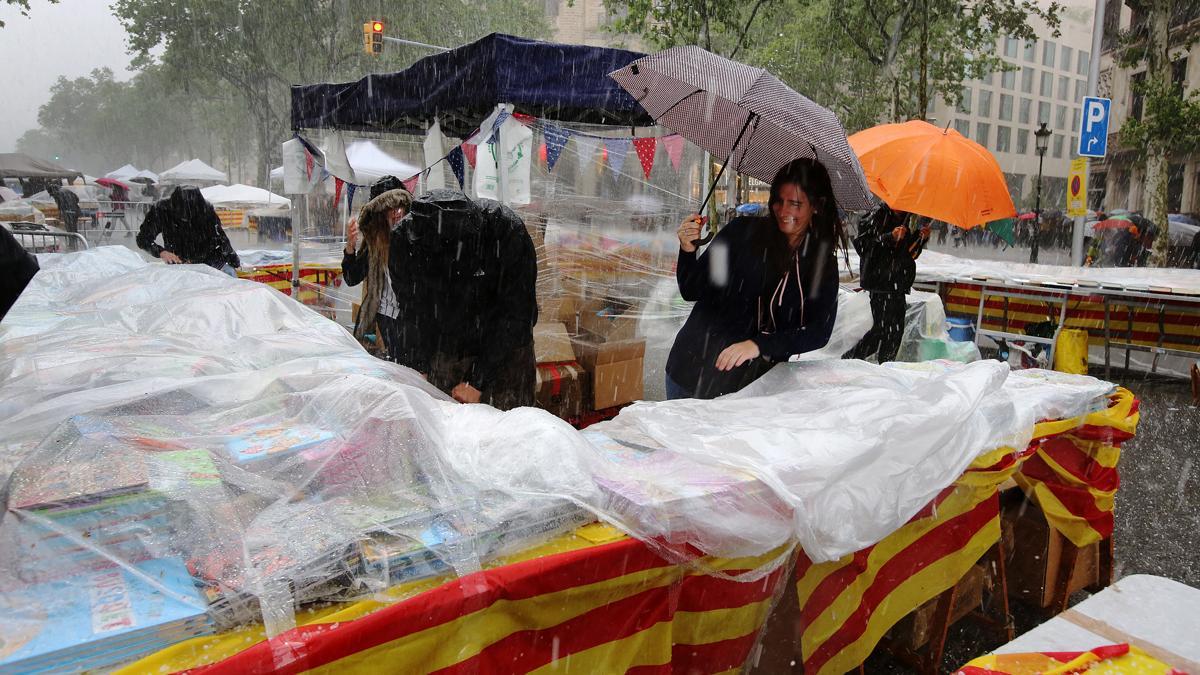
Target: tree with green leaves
{"type": "Point", "coordinates": [257, 50]}
{"type": "Point", "coordinates": [868, 60]}
{"type": "Point", "coordinates": [23, 5]}
{"type": "Point", "coordinates": [1170, 121]}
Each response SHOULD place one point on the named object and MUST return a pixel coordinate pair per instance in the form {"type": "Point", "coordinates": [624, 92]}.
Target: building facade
{"type": "Point", "coordinates": [1047, 84]}
{"type": "Point", "coordinates": [1118, 179]}
{"type": "Point", "coordinates": [585, 22]}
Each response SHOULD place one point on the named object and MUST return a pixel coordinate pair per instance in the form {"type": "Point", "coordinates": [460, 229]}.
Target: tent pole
{"type": "Point", "coordinates": [299, 219]}
{"type": "Point", "coordinates": [501, 162]}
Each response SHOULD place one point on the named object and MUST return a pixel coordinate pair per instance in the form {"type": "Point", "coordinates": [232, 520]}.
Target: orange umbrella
{"type": "Point", "coordinates": [919, 168]}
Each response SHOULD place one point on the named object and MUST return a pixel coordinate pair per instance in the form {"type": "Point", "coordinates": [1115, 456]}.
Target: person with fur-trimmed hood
{"type": "Point", "coordinates": [380, 308]}
{"type": "Point", "coordinates": [468, 273]}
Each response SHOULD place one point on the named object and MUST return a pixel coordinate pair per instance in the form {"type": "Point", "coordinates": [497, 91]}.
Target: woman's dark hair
{"type": "Point", "coordinates": [812, 177]}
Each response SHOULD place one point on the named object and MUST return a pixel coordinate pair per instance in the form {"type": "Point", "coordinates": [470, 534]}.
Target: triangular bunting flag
{"type": "Point", "coordinates": [455, 158]}
{"type": "Point", "coordinates": [617, 149]}
{"type": "Point", "coordinates": [410, 184]}
{"type": "Point", "coordinates": [338, 184]}
{"type": "Point", "coordinates": [556, 140]}
{"type": "Point", "coordinates": [469, 149]}
{"type": "Point", "coordinates": [350, 188]}
{"type": "Point", "coordinates": [645, 148]}
{"type": "Point", "coordinates": [500, 120]}
{"type": "Point", "coordinates": [673, 144]}
{"type": "Point", "coordinates": [588, 147]}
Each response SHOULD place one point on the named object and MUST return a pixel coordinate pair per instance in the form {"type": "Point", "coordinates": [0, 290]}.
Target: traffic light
{"type": "Point", "coordinates": [373, 37]}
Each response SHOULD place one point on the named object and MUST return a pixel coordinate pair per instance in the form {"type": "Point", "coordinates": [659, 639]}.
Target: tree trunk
{"type": "Point", "coordinates": [923, 85]}
{"type": "Point", "coordinates": [1158, 78]}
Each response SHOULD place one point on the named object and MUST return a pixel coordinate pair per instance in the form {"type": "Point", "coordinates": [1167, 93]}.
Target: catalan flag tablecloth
{"type": "Point", "coordinates": [312, 279]}
{"type": "Point", "coordinates": [1069, 467]}
{"type": "Point", "coordinates": [583, 603]}
{"type": "Point", "coordinates": [606, 603]}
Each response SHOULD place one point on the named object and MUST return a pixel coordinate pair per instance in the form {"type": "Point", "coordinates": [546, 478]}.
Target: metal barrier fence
{"type": "Point", "coordinates": [41, 238]}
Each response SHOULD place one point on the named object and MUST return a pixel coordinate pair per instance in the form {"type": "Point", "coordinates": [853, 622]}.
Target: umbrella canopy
{"type": "Point", "coordinates": [111, 182]}
{"type": "Point", "coordinates": [919, 168]}
{"type": "Point", "coordinates": [743, 113]}
{"type": "Point", "coordinates": [20, 165]}
{"type": "Point", "coordinates": [1119, 223]}
{"type": "Point", "coordinates": [1029, 215]}
{"type": "Point", "coordinates": [193, 169]}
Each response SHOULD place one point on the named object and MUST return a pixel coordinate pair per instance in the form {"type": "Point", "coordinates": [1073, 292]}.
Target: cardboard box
{"type": "Point", "coordinates": [615, 368]}
{"type": "Point", "coordinates": [551, 343]}
{"type": "Point", "coordinates": [603, 320]}
{"type": "Point", "coordinates": [1036, 555]}
{"type": "Point", "coordinates": [562, 389]}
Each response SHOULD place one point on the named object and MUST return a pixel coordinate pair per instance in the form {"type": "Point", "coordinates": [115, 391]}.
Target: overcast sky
{"type": "Point", "coordinates": [70, 38]}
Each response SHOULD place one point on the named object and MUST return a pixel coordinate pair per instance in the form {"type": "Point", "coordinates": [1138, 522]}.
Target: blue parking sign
{"type": "Point", "coordinates": [1093, 127]}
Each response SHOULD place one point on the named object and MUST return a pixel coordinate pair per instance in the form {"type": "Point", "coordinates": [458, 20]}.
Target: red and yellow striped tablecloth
{"type": "Point", "coordinates": [1181, 329]}
{"type": "Point", "coordinates": [848, 605]}
{"type": "Point", "coordinates": [279, 277]}
{"type": "Point", "coordinates": [583, 604]}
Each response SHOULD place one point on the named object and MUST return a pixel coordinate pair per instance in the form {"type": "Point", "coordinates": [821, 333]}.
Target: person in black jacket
{"type": "Point", "coordinates": [465, 276]}
{"type": "Point", "coordinates": [68, 206]}
{"type": "Point", "coordinates": [388, 205]}
{"type": "Point", "coordinates": [191, 232]}
{"type": "Point", "coordinates": [765, 289]}
{"type": "Point", "coordinates": [18, 267]}
{"type": "Point", "coordinates": [887, 255]}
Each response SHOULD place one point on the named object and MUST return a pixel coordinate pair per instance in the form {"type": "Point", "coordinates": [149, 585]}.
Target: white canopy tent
{"type": "Point", "coordinates": [124, 173]}
{"type": "Point", "coordinates": [243, 195]}
{"type": "Point", "coordinates": [370, 163]}
{"type": "Point", "coordinates": [193, 170]}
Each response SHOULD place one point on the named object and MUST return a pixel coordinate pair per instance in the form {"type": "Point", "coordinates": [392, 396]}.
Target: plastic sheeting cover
{"type": "Point", "coordinates": [227, 455]}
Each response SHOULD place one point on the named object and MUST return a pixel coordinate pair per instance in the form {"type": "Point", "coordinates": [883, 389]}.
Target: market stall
{"type": "Point", "coordinates": [240, 461]}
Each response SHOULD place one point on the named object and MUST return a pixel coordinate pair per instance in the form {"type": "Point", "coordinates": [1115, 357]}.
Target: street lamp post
{"type": "Point", "coordinates": [1041, 139]}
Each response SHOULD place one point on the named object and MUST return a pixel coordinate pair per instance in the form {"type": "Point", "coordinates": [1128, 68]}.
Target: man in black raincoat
{"type": "Point", "coordinates": [464, 275]}
{"type": "Point", "coordinates": [887, 252]}
{"type": "Point", "coordinates": [191, 232]}
{"type": "Point", "coordinates": [68, 206]}
{"type": "Point", "coordinates": [17, 267]}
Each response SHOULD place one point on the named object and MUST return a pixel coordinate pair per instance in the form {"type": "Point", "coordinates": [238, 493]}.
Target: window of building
{"type": "Point", "coordinates": [1031, 50]}
{"type": "Point", "coordinates": [1082, 63]}
{"type": "Point", "coordinates": [1026, 104]}
{"type": "Point", "coordinates": [1008, 79]}
{"type": "Point", "coordinates": [1065, 58]}
{"type": "Point", "coordinates": [1075, 118]}
{"type": "Point", "coordinates": [1026, 80]}
{"type": "Point", "coordinates": [984, 109]}
{"type": "Point", "coordinates": [964, 103]}
{"type": "Point", "coordinates": [1049, 49]}
{"type": "Point", "coordinates": [1022, 141]}
{"type": "Point", "coordinates": [983, 130]}
{"type": "Point", "coordinates": [963, 127]}
{"type": "Point", "coordinates": [1058, 146]}
{"type": "Point", "coordinates": [1043, 112]}
{"type": "Point", "coordinates": [1074, 145]}
{"type": "Point", "coordinates": [986, 79]}
{"type": "Point", "coordinates": [1064, 88]}
{"type": "Point", "coordinates": [1006, 106]}
{"type": "Point", "coordinates": [1080, 90]}
{"type": "Point", "coordinates": [1179, 71]}
{"type": "Point", "coordinates": [1060, 117]}
{"type": "Point", "coordinates": [1135, 95]}
{"type": "Point", "coordinates": [1047, 88]}
{"type": "Point", "coordinates": [1010, 47]}
{"type": "Point", "coordinates": [1003, 138]}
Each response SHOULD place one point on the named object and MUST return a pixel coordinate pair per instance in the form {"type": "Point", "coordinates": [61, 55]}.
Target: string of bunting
{"type": "Point", "coordinates": [556, 138]}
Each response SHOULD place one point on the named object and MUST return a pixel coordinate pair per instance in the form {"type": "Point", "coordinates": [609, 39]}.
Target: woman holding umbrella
{"type": "Point", "coordinates": [765, 289]}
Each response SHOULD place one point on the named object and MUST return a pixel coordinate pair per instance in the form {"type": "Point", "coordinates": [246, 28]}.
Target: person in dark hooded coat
{"type": "Point", "coordinates": [68, 206]}
{"type": "Point", "coordinates": [888, 252]}
{"type": "Point", "coordinates": [465, 276]}
{"type": "Point", "coordinates": [191, 232]}
{"type": "Point", "coordinates": [380, 308]}
{"type": "Point", "coordinates": [18, 267]}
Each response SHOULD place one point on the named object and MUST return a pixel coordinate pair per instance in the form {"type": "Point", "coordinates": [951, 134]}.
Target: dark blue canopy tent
{"type": "Point", "coordinates": [462, 86]}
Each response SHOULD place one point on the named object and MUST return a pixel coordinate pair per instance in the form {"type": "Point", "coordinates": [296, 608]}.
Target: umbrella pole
{"type": "Point", "coordinates": [712, 232]}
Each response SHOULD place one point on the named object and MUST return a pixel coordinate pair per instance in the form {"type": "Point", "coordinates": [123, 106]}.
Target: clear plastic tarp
{"type": "Point", "coordinates": [204, 451]}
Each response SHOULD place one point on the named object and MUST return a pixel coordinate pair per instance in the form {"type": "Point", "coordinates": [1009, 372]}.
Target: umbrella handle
{"type": "Point", "coordinates": [708, 236]}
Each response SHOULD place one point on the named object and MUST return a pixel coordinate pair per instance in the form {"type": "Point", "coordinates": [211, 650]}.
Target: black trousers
{"type": "Point", "coordinates": [887, 314]}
